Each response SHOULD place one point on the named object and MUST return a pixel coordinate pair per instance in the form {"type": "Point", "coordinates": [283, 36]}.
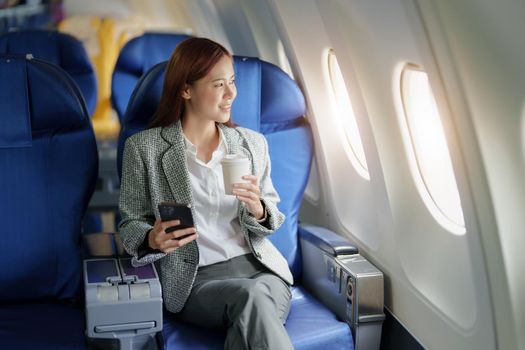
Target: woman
{"type": "Point", "coordinates": [223, 272]}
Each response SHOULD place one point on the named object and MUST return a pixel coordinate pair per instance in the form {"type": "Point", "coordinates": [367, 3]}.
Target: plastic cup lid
{"type": "Point", "coordinates": [234, 158]}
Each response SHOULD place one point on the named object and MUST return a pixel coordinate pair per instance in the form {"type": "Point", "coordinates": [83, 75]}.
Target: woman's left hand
{"type": "Point", "coordinates": [250, 194]}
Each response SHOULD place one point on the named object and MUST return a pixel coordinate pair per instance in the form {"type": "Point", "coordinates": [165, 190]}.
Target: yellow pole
{"type": "Point", "coordinates": [105, 122]}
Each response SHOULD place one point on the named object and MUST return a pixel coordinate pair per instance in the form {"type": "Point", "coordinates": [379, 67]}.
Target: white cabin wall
{"type": "Point", "coordinates": [481, 52]}
{"type": "Point", "coordinates": [264, 31]}
{"type": "Point", "coordinates": [205, 20]}
{"type": "Point", "coordinates": [251, 30]}
{"type": "Point", "coordinates": [436, 282]}
{"type": "Point", "coordinates": [236, 27]}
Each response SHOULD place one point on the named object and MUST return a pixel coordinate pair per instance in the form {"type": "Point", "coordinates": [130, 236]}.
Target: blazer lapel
{"type": "Point", "coordinates": [174, 159]}
{"type": "Point", "coordinates": [231, 137]}
{"type": "Point", "coordinates": [174, 164]}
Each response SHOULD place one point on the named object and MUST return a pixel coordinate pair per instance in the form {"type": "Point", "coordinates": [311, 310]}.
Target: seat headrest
{"type": "Point", "coordinates": [265, 94]}
{"type": "Point", "coordinates": [43, 44]}
{"type": "Point", "coordinates": [27, 83]}
{"type": "Point", "coordinates": [281, 98]}
{"type": "Point", "coordinates": [143, 52]}
{"type": "Point", "coordinates": [61, 49]}
{"type": "Point", "coordinates": [145, 98]}
{"type": "Point", "coordinates": [15, 123]}
{"type": "Point", "coordinates": [58, 48]}
{"type": "Point", "coordinates": [247, 105]}
{"type": "Point", "coordinates": [136, 57]}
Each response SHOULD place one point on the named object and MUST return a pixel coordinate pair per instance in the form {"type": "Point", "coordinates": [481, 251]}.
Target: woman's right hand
{"type": "Point", "coordinates": [168, 242]}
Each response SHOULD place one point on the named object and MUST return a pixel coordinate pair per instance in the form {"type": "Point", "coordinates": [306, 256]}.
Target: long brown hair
{"type": "Point", "coordinates": [192, 60]}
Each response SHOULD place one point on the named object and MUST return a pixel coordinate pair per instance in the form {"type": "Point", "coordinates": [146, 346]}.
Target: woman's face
{"type": "Point", "coordinates": [211, 97]}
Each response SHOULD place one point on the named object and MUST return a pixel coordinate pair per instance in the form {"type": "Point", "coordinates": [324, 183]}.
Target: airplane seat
{"type": "Point", "coordinates": [270, 102]}
{"type": "Point", "coordinates": [68, 53]}
{"type": "Point", "coordinates": [49, 164]}
{"type": "Point", "coordinates": [60, 49]}
{"type": "Point", "coordinates": [137, 57]}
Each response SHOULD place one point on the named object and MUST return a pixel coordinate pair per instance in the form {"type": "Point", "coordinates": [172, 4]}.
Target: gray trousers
{"type": "Point", "coordinates": [242, 296]}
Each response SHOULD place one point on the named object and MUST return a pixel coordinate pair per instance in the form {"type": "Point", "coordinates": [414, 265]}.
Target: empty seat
{"type": "Point", "coordinates": [48, 161]}
{"type": "Point", "coordinates": [61, 49]}
{"type": "Point", "coordinates": [270, 102]}
{"type": "Point", "coordinates": [68, 53]}
{"type": "Point", "coordinates": [136, 58]}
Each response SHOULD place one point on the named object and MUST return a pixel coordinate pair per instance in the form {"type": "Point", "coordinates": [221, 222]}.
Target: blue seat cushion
{"type": "Point", "coordinates": [41, 326]}
{"type": "Point", "coordinates": [310, 326]}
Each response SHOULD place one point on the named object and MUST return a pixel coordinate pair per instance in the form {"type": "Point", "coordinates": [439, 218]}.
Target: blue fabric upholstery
{"type": "Point", "coordinates": [142, 105]}
{"type": "Point", "coordinates": [42, 326]}
{"type": "Point", "coordinates": [136, 58]}
{"type": "Point", "coordinates": [290, 151]}
{"type": "Point", "coordinates": [60, 49]}
{"type": "Point", "coordinates": [270, 102]}
{"type": "Point", "coordinates": [310, 325]}
{"type": "Point", "coordinates": [281, 99]}
{"type": "Point", "coordinates": [15, 124]}
{"type": "Point", "coordinates": [246, 110]}
{"type": "Point", "coordinates": [44, 191]}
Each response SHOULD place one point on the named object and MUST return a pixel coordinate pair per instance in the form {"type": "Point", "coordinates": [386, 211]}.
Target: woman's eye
{"type": "Point", "coordinates": [232, 81]}
{"type": "Point", "coordinates": [218, 85]}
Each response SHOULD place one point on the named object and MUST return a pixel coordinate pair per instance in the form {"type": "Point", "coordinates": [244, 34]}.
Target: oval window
{"type": "Point", "coordinates": [431, 164]}
{"type": "Point", "coordinates": [346, 117]}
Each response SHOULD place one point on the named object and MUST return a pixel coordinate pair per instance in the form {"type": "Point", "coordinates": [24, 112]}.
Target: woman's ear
{"type": "Point", "coordinates": [186, 92]}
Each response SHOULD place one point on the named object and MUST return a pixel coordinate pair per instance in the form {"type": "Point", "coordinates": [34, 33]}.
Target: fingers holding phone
{"type": "Point", "coordinates": [174, 229]}
{"type": "Point", "coordinates": [165, 239]}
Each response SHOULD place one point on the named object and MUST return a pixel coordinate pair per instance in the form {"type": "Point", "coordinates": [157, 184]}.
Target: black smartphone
{"type": "Point", "coordinates": [174, 211]}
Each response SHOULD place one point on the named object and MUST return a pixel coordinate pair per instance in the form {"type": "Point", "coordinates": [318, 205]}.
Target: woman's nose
{"type": "Point", "coordinates": [230, 92]}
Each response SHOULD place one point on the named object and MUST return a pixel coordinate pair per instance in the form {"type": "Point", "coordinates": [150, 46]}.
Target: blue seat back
{"type": "Point", "coordinates": [61, 49]}
{"type": "Point", "coordinates": [135, 59]}
{"type": "Point", "coordinates": [268, 101]}
{"type": "Point", "coordinates": [49, 165]}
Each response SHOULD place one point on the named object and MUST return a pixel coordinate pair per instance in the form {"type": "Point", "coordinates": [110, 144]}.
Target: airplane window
{"type": "Point", "coordinates": [346, 118]}
{"type": "Point", "coordinates": [427, 143]}
{"type": "Point", "coordinates": [284, 63]}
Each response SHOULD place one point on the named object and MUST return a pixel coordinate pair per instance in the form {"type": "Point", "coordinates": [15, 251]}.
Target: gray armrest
{"type": "Point", "coordinates": [345, 282]}
{"type": "Point", "coordinates": [326, 240]}
{"type": "Point", "coordinates": [122, 302]}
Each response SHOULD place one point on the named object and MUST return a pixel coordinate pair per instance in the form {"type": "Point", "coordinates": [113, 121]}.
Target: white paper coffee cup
{"type": "Point", "coordinates": [234, 167]}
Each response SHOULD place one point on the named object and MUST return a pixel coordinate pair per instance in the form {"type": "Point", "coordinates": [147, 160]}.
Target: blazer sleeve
{"type": "Point", "coordinates": [269, 197]}
{"type": "Point", "coordinates": [135, 206]}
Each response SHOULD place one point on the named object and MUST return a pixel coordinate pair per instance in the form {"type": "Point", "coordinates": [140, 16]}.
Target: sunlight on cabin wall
{"type": "Point", "coordinates": [523, 132]}
{"type": "Point", "coordinates": [432, 156]}
{"type": "Point", "coordinates": [346, 118]}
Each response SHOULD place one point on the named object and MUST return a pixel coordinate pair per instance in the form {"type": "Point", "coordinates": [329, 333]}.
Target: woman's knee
{"type": "Point", "coordinates": [258, 293]}
{"type": "Point", "coordinates": [253, 291]}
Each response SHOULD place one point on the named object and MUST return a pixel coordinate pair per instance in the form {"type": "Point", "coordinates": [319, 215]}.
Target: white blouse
{"type": "Point", "coordinates": [216, 214]}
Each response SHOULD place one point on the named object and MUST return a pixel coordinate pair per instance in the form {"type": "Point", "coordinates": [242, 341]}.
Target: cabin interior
{"type": "Point", "coordinates": [398, 132]}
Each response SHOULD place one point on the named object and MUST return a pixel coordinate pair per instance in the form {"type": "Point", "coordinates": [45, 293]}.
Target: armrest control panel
{"type": "Point", "coordinates": [345, 282]}
{"type": "Point", "coordinates": [122, 302]}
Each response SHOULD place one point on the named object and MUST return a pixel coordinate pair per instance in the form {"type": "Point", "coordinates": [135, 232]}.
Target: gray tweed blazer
{"type": "Point", "coordinates": [154, 170]}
